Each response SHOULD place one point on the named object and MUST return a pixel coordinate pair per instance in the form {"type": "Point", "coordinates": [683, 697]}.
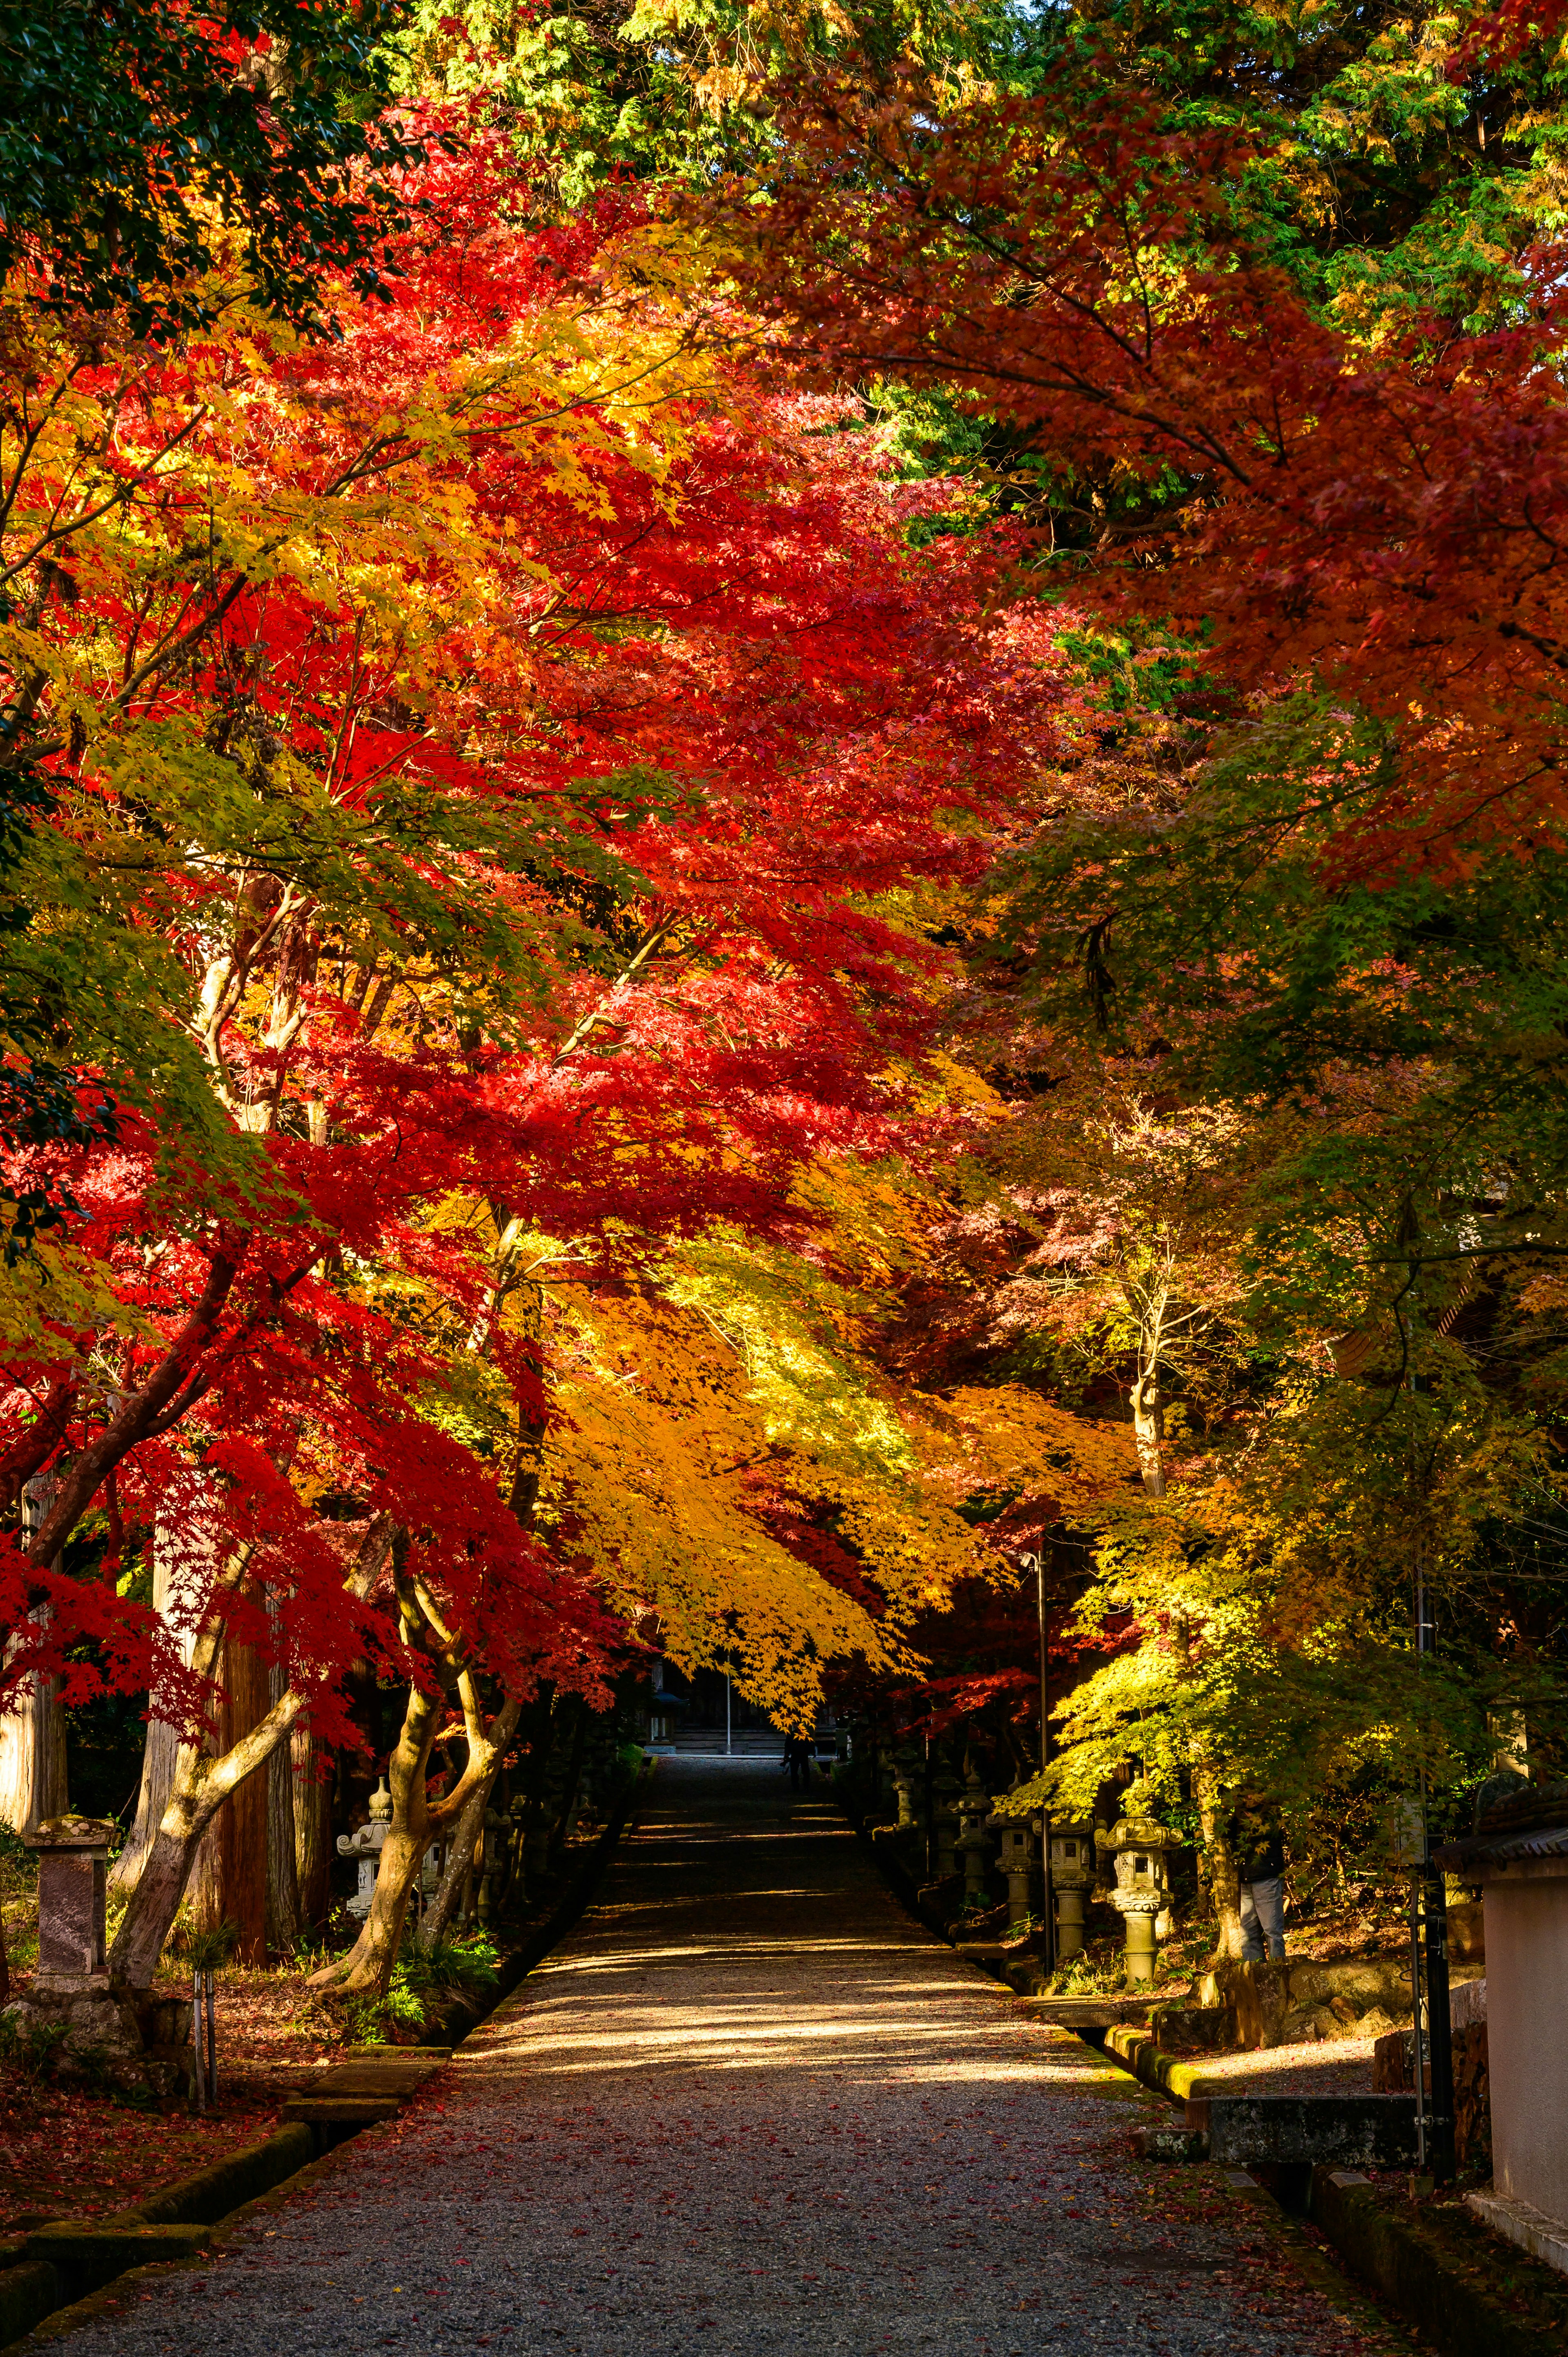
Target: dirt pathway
{"type": "Point", "coordinates": [751, 2111]}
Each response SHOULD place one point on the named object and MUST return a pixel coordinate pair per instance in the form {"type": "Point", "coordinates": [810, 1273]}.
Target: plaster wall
{"type": "Point", "coordinates": [1527, 2035]}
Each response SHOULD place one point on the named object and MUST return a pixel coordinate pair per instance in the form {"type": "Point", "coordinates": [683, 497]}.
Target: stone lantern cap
{"type": "Point", "coordinates": [72, 1833]}
{"type": "Point", "coordinates": [1137, 1833]}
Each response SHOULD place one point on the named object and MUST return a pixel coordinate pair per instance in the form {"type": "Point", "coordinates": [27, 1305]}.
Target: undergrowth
{"type": "Point", "coordinates": [424, 1983]}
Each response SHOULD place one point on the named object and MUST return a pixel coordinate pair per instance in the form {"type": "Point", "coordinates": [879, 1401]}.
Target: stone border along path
{"type": "Point", "coordinates": [749, 2107]}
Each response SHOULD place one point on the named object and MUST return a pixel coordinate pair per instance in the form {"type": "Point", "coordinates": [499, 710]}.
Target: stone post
{"type": "Point", "coordinates": [365, 1847]}
{"type": "Point", "coordinates": [1139, 1847]}
{"type": "Point", "coordinates": [73, 1860]}
{"type": "Point", "coordinates": [945, 1790]}
{"type": "Point", "coordinates": [974, 1843]}
{"type": "Point", "coordinates": [906, 1773]}
{"type": "Point", "coordinates": [1138, 1913]}
{"type": "Point", "coordinates": [70, 1992]}
{"type": "Point", "coordinates": [1015, 1856]}
{"type": "Point", "coordinates": [1072, 1848]}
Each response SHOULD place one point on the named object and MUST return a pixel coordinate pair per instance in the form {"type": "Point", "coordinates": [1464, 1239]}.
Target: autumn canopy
{"type": "Point", "coordinates": [782, 824]}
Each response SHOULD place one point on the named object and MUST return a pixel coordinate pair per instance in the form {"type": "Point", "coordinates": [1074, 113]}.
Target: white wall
{"type": "Point", "coordinates": [1527, 2036]}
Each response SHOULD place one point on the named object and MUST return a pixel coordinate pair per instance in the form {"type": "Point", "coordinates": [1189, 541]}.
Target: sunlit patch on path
{"type": "Point", "coordinates": [751, 2111]}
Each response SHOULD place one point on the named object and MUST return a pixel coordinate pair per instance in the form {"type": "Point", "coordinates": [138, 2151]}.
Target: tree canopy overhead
{"type": "Point", "coordinates": [783, 823]}
{"type": "Point", "coordinates": [140, 145]}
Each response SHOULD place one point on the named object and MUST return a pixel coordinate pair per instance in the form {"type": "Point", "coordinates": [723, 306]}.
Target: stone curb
{"type": "Point", "coordinates": [1164, 2072]}
{"type": "Point", "coordinates": [63, 2320]}
{"type": "Point", "coordinates": [1423, 2282]}
{"type": "Point", "coordinates": [36, 2302]}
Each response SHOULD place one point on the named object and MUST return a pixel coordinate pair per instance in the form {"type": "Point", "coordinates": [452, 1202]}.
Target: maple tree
{"type": "Point", "coordinates": [506, 798]}
{"type": "Point", "coordinates": [1301, 488]}
{"type": "Point", "coordinates": [549, 724]}
{"type": "Point", "coordinates": [132, 138]}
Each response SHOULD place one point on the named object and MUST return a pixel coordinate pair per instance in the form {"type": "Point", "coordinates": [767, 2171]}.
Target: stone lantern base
{"type": "Point", "coordinates": [107, 2037]}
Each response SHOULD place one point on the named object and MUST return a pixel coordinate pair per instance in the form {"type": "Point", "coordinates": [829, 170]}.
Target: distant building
{"type": "Point", "coordinates": [1519, 1855]}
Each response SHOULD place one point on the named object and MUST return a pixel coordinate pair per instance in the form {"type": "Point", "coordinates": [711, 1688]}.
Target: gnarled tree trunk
{"type": "Point", "coordinates": [416, 1821]}
{"type": "Point", "coordinates": [1224, 1881]}
{"type": "Point", "coordinates": [493, 1745]}
{"type": "Point", "coordinates": [202, 1785]}
{"type": "Point", "coordinates": [367, 1968]}
{"type": "Point", "coordinates": [202, 1782]}
{"type": "Point", "coordinates": [185, 1568]}
{"type": "Point", "coordinates": [1149, 1430]}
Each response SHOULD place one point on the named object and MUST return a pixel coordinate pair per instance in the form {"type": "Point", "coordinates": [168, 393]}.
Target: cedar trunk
{"type": "Point", "coordinates": [312, 1827]}
{"type": "Point", "coordinates": [283, 1887]}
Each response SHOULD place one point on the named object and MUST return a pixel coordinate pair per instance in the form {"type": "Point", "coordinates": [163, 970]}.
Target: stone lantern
{"type": "Point", "coordinates": [497, 1824]}
{"type": "Point", "coordinates": [905, 1782]}
{"type": "Point", "coordinates": [73, 1858]}
{"type": "Point", "coordinates": [1139, 1848]}
{"type": "Point", "coordinates": [365, 1847]}
{"type": "Point", "coordinates": [945, 1792]}
{"type": "Point", "coordinates": [1015, 1855]}
{"type": "Point", "coordinates": [1072, 1872]}
{"type": "Point", "coordinates": [973, 1844]}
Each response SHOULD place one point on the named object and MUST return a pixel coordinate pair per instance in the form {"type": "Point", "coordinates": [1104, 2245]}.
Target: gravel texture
{"type": "Point", "coordinates": [1339, 2066]}
{"type": "Point", "coordinates": [750, 2110]}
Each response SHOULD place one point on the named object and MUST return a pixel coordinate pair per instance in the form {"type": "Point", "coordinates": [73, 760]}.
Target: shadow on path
{"type": "Point", "coordinates": [751, 2110]}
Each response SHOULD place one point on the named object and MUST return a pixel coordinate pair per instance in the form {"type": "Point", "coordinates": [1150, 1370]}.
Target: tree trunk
{"type": "Point", "coordinates": [1149, 1430]}
{"type": "Point", "coordinates": [283, 1885]}
{"type": "Point", "coordinates": [202, 1785]}
{"type": "Point", "coordinates": [182, 1556]}
{"type": "Point", "coordinates": [312, 1829]}
{"type": "Point", "coordinates": [32, 1758]}
{"type": "Point", "coordinates": [32, 1737]}
{"type": "Point", "coordinates": [244, 1819]}
{"type": "Point", "coordinates": [579, 1709]}
{"type": "Point", "coordinates": [1224, 1882]}
{"type": "Point", "coordinates": [470, 1823]}
{"type": "Point", "coordinates": [367, 1968]}
{"type": "Point", "coordinates": [159, 1753]}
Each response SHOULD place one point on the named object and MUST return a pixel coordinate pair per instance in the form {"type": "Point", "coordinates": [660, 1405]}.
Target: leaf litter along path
{"type": "Point", "coordinates": [750, 2110]}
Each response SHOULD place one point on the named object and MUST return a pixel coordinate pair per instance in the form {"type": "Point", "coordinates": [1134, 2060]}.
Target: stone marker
{"type": "Point", "coordinates": [73, 1860]}
{"type": "Point", "coordinates": [70, 1991]}
{"type": "Point", "coordinates": [1072, 1850]}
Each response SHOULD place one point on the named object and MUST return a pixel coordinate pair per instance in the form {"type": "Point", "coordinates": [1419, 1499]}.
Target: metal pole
{"type": "Point", "coordinates": [1039, 1563]}
{"type": "Point", "coordinates": [197, 2044]}
{"type": "Point", "coordinates": [727, 1716]}
{"type": "Point", "coordinates": [1429, 1966]}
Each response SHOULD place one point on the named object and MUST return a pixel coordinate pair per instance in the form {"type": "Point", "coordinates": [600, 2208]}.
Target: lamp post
{"type": "Point", "coordinates": [1037, 1563]}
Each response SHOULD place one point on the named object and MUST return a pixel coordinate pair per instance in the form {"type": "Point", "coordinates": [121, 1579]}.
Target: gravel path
{"type": "Point", "coordinates": [750, 2110]}
{"type": "Point", "coordinates": [1339, 2066]}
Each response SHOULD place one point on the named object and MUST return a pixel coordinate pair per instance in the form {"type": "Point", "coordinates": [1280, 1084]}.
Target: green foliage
{"type": "Point", "coordinates": [1382, 178]}
{"type": "Point", "coordinates": [18, 1864]}
{"type": "Point", "coordinates": [137, 143]}
{"type": "Point", "coordinates": [205, 1949]}
{"type": "Point", "coordinates": [594, 90]}
{"type": "Point", "coordinates": [33, 2049]}
{"type": "Point", "coordinates": [460, 1969]}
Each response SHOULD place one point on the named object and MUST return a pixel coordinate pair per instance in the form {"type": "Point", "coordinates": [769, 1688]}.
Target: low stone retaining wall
{"type": "Point", "coordinates": [1286, 2004]}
